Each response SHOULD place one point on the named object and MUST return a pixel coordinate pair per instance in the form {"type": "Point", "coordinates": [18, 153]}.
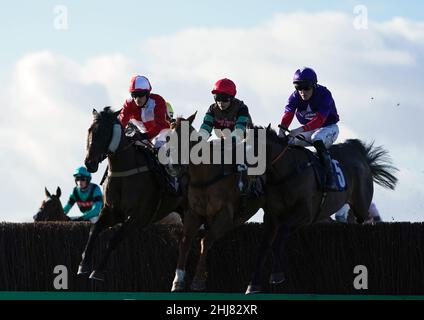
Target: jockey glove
{"type": "Point", "coordinates": [296, 132]}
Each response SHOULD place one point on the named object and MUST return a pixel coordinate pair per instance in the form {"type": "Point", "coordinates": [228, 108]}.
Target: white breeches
{"type": "Point", "coordinates": [328, 135]}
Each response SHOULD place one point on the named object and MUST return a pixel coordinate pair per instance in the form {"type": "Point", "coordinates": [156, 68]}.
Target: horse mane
{"type": "Point", "coordinates": [271, 134]}
{"type": "Point", "coordinates": [107, 111]}
{"type": "Point", "coordinates": [356, 144]}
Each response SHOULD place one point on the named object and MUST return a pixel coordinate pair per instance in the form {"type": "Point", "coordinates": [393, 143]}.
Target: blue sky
{"type": "Point", "coordinates": [97, 26]}
{"type": "Point", "coordinates": [50, 79]}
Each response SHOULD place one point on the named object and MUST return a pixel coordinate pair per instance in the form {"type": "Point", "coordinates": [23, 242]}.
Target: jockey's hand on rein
{"type": "Point", "coordinates": [295, 132]}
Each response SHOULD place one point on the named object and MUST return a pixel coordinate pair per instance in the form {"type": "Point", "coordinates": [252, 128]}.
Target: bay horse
{"type": "Point", "coordinates": [51, 209]}
{"type": "Point", "coordinates": [214, 199]}
{"type": "Point", "coordinates": [294, 197]}
{"type": "Point", "coordinates": [133, 195]}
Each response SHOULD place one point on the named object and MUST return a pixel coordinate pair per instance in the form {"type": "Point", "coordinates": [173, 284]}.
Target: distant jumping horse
{"type": "Point", "coordinates": [294, 196]}
{"type": "Point", "coordinates": [133, 195]}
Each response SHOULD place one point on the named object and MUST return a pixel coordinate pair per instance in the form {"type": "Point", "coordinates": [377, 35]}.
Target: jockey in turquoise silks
{"type": "Point", "coordinates": [87, 196]}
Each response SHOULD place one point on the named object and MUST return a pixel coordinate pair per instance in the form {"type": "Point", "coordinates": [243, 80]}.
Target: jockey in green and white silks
{"type": "Point", "coordinates": [227, 112]}
{"type": "Point", "coordinates": [87, 196]}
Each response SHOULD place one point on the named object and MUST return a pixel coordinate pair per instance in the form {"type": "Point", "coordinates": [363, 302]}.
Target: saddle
{"type": "Point", "coordinates": [319, 170]}
{"type": "Point", "coordinates": [168, 183]}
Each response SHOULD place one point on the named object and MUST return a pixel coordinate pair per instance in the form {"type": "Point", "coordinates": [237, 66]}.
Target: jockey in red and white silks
{"type": "Point", "coordinates": [146, 110]}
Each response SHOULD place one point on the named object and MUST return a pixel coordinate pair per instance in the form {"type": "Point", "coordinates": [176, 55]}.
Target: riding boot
{"type": "Point", "coordinates": [324, 155]}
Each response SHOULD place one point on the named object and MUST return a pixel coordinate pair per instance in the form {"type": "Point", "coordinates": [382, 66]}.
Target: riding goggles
{"type": "Point", "coordinates": [81, 178]}
{"type": "Point", "coordinates": [139, 94]}
{"type": "Point", "coordinates": [303, 86]}
{"type": "Point", "coordinates": [222, 97]}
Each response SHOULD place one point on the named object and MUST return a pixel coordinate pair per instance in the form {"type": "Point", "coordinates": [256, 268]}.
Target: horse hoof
{"type": "Point", "coordinates": [178, 286]}
{"type": "Point", "coordinates": [198, 285]}
{"type": "Point", "coordinates": [253, 289]}
{"type": "Point", "coordinates": [97, 275]}
{"type": "Point", "coordinates": [83, 269]}
{"type": "Point", "coordinates": [277, 278]}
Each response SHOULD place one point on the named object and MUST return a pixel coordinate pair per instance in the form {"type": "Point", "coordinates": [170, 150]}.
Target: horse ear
{"type": "Point", "coordinates": [95, 113]}
{"type": "Point", "coordinates": [268, 128]}
{"type": "Point", "coordinates": [192, 117]}
{"type": "Point", "coordinates": [58, 192]}
{"type": "Point", "coordinates": [48, 195]}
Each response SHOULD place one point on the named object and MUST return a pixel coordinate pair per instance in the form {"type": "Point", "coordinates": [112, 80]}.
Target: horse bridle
{"type": "Point", "coordinates": [115, 142]}
{"type": "Point", "coordinates": [113, 149]}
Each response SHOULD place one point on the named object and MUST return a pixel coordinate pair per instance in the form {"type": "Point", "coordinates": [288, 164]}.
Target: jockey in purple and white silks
{"type": "Point", "coordinates": [316, 111]}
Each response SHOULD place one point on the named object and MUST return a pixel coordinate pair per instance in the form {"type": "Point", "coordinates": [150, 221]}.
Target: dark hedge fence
{"type": "Point", "coordinates": [318, 259]}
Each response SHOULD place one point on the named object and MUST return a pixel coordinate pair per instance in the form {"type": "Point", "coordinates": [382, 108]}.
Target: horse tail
{"type": "Point", "coordinates": [380, 163]}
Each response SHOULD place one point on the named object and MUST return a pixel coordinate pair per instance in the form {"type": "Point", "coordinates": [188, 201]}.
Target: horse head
{"type": "Point", "coordinates": [51, 209]}
{"type": "Point", "coordinates": [180, 128]}
{"type": "Point", "coordinates": [104, 136]}
{"type": "Point", "coordinates": [177, 125]}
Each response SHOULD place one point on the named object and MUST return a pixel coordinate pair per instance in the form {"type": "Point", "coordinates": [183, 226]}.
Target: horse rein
{"type": "Point", "coordinates": [280, 155]}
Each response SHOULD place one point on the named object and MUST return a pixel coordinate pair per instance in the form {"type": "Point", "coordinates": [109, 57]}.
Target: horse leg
{"type": "Point", "coordinates": [270, 231]}
{"type": "Point", "coordinates": [124, 230]}
{"type": "Point", "coordinates": [277, 274]}
{"type": "Point", "coordinates": [361, 202]}
{"type": "Point", "coordinates": [191, 226]}
{"type": "Point", "coordinates": [95, 230]}
{"type": "Point", "coordinates": [222, 223]}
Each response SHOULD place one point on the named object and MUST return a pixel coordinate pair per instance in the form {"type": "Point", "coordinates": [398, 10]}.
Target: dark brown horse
{"type": "Point", "coordinates": [133, 196]}
{"type": "Point", "coordinates": [213, 199]}
{"type": "Point", "coordinates": [51, 209]}
{"type": "Point", "coordinates": [294, 196]}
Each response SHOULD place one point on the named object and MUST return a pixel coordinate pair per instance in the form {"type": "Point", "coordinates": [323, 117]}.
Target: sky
{"type": "Point", "coordinates": [61, 59]}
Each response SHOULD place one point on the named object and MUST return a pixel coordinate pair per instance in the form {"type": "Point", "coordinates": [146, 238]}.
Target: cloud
{"type": "Point", "coordinates": [369, 72]}
{"type": "Point", "coordinates": [48, 111]}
